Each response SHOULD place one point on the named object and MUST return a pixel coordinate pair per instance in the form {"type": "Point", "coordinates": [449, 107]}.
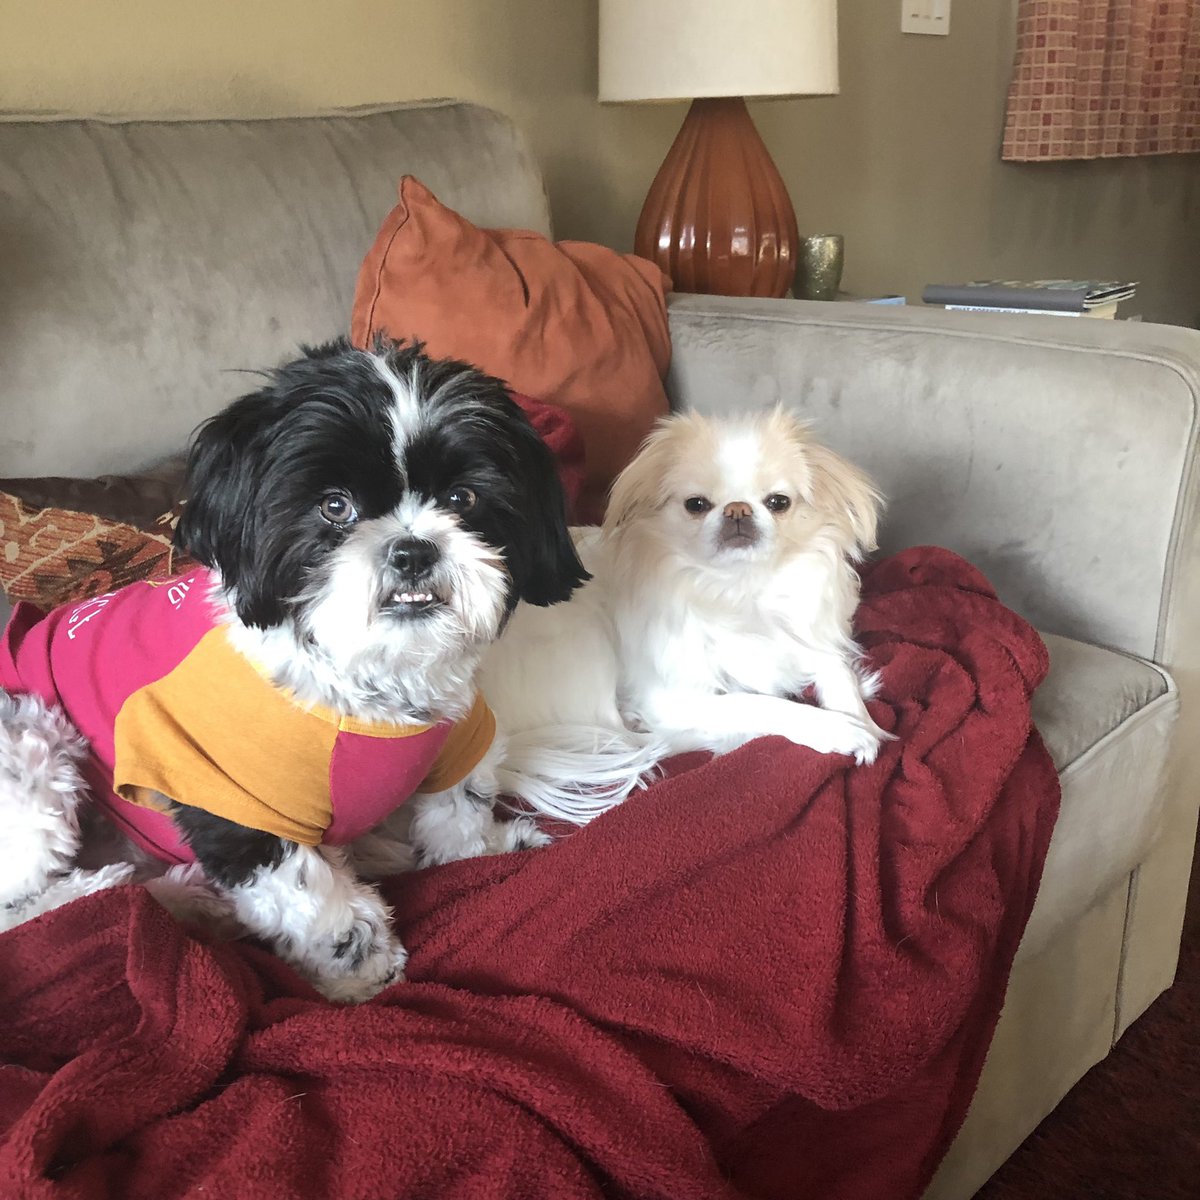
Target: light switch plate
{"type": "Point", "coordinates": [925, 16]}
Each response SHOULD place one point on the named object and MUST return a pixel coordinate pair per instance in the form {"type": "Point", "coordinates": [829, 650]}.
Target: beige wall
{"type": "Point", "coordinates": [904, 162]}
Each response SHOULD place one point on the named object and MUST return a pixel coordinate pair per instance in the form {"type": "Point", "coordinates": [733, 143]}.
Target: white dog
{"type": "Point", "coordinates": [724, 586]}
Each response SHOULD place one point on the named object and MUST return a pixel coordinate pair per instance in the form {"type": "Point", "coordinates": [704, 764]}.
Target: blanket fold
{"type": "Point", "coordinates": [772, 974]}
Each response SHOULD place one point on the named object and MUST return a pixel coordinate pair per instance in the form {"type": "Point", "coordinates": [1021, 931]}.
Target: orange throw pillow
{"type": "Point", "coordinates": [573, 324]}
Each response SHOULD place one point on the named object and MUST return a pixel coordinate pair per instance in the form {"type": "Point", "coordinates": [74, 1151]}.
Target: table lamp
{"type": "Point", "coordinates": [718, 218]}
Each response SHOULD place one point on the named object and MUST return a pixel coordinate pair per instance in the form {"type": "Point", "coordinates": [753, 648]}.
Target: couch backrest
{"type": "Point", "coordinates": [1058, 455]}
{"type": "Point", "coordinates": [144, 264]}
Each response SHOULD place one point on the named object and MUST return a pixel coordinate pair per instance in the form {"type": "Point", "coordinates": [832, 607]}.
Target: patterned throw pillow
{"type": "Point", "coordinates": [63, 539]}
{"type": "Point", "coordinates": [51, 555]}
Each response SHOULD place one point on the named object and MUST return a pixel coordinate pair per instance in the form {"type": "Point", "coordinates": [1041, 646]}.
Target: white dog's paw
{"type": "Point", "coordinates": [488, 837]}
{"type": "Point", "coordinates": [356, 989]}
{"type": "Point", "coordinates": [357, 963]}
{"type": "Point", "coordinates": [453, 825]}
{"type": "Point", "coordinates": [865, 746]}
{"type": "Point", "coordinates": [831, 732]}
{"type": "Point", "coordinates": [518, 834]}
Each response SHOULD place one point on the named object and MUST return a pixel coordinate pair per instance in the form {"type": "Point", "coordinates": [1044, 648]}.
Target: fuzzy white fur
{"type": "Point", "coordinates": [40, 793]}
{"type": "Point", "coordinates": [697, 636]}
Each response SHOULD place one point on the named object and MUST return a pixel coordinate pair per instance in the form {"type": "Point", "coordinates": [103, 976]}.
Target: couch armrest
{"type": "Point", "coordinates": [1058, 454]}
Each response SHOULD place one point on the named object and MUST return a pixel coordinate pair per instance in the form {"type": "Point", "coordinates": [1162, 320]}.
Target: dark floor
{"type": "Point", "coordinates": [1130, 1129]}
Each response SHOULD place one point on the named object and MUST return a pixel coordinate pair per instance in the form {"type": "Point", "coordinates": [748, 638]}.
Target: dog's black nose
{"type": "Point", "coordinates": [414, 558]}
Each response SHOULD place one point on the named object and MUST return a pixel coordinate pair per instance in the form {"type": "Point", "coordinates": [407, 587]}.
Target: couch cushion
{"type": "Point", "coordinates": [146, 262]}
{"type": "Point", "coordinates": [1106, 718]}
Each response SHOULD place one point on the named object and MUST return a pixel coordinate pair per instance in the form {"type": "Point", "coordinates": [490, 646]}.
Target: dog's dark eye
{"type": "Point", "coordinates": [461, 499]}
{"type": "Point", "coordinates": [338, 509]}
{"type": "Point", "coordinates": [777, 502]}
{"type": "Point", "coordinates": [697, 505]}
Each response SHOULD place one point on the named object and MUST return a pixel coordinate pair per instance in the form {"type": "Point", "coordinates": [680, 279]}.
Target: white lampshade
{"type": "Point", "coordinates": [684, 49]}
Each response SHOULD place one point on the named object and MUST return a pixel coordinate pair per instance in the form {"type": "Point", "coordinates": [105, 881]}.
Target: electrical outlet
{"type": "Point", "coordinates": [925, 16]}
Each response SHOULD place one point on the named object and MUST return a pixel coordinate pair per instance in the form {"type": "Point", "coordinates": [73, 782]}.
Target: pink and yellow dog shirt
{"type": "Point", "coordinates": [147, 674]}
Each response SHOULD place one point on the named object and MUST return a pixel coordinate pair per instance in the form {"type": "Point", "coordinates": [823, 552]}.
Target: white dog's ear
{"type": "Point", "coordinates": [639, 487]}
{"type": "Point", "coordinates": [836, 486]}
{"type": "Point", "coordinates": [841, 489]}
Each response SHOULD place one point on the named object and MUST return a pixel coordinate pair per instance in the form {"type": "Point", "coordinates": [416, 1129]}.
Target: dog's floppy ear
{"type": "Point", "coordinates": [842, 490]}
{"type": "Point", "coordinates": [835, 487]}
{"type": "Point", "coordinates": [639, 487]}
{"type": "Point", "coordinates": [219, 524]}
{"type": "Point", "coordinates": [542, 560]}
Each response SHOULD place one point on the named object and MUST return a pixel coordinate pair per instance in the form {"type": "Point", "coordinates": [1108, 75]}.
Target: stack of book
{"type": "Point", "coordinates": [1050, 297]}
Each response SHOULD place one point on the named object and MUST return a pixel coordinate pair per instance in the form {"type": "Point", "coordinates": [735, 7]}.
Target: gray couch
{"type": "Point", "coordinates": [142, 263]}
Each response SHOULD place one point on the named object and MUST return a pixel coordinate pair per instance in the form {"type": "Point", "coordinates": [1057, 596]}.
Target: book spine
{"type": "Point", "coordinates": [1037, 312]}
{"type": "Point", "coordinates": [1102, 311]}
{"type": "Point", "coordinates": [1043, 299]}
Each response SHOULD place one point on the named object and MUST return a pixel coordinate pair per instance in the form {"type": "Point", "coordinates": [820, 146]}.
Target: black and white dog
{"type": "Point", "coordinates": [366, 523]}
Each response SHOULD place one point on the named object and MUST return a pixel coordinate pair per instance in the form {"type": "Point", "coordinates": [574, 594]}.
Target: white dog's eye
{"type": "Point", "coordinates": [697, 505]}
{"type": "Point", "coordinates": [338, 509]}
{"type": "Point", "coordinates": [777, 502]}
{"type": "Point", "coordinates": [461, 499]}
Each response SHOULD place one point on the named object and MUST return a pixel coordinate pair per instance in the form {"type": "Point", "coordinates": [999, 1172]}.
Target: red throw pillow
{"type": "Point", "coordinates": [557, 430]}
{"type": "Point", "coordinates": [575, 324]}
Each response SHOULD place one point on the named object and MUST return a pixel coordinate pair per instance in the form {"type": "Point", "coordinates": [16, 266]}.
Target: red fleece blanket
{"type": "Point", "coordinates": [771, 975]}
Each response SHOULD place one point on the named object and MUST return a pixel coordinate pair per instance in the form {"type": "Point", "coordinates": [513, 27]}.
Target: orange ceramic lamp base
{"type": "Point", "coordinates": [718, 218]}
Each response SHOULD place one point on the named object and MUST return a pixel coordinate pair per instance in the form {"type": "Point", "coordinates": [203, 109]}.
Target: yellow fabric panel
{"type": "Point", "coordinates": [216, 734]}
{"type": "Point", "coordinates": [468, 742]}
{"type": "Point", "coordinates": [213, 733]}
{"type": "Point", "coordinates": [372, 728]}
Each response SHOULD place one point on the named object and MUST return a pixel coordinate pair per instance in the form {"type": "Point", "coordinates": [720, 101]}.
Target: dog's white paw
{"type": "Point", "coordinates": [831, 732]}
{"type": "Point", "coordinates": [448, 827]}
{"type": "Point", "coordinates": [865, 742]}
{"type": "Point", "coordinates": [518, 834]}
{"type": "Point", "coordinates": [357, 963]}
{"type": "Point", "coordinates": [494, 837]}
{"type": "Point", "coordinates": [864, 746]}
{"type": "Point", "coordinates": [355, 989]}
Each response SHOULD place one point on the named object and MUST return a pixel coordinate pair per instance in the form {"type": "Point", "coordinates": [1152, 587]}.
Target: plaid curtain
{"type": "Point", "coordinates": [1104, 79]}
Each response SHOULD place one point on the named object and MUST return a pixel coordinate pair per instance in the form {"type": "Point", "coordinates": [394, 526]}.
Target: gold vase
{"type": "Point", "coordinates": [819, 273]}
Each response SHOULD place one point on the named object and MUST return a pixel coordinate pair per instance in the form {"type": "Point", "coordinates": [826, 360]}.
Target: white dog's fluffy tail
{"type": "Point", "coordinates": [574, 773]}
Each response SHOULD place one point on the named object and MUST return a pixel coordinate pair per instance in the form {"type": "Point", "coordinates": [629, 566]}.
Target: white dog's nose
{"type": "Point", "coordinates": [738, 510]}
